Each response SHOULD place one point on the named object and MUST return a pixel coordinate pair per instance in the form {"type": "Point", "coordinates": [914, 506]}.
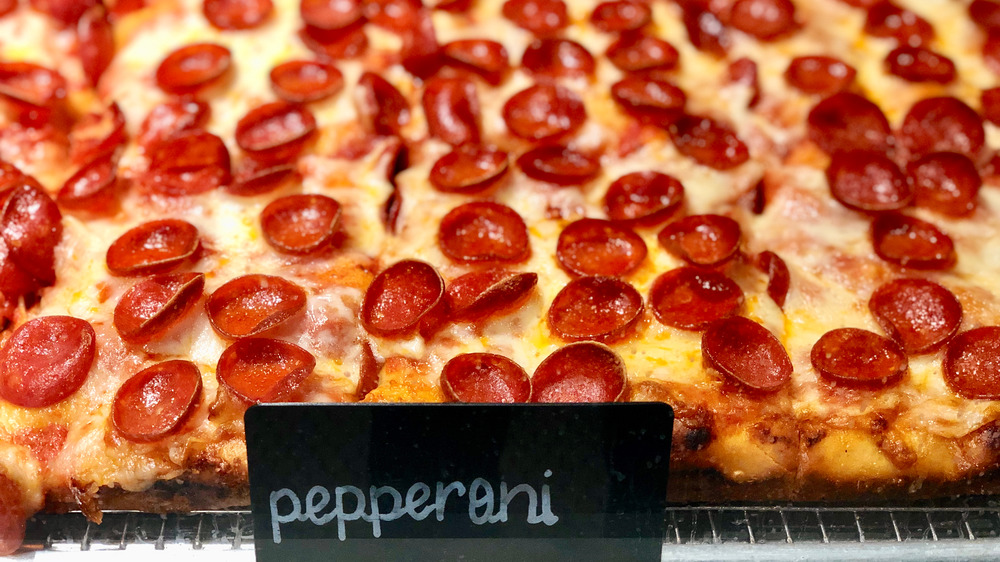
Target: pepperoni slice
{"type": "Point", "coordinates": [886, 19]}
{"type": "Point", "coordinates": [97, 134]}
{"type": "Point", "coordinates": [867, 181]}
{"type": "Point", "coordinates": [46, 360]}
{"type": "Point", "coordinates": [484, 231]}
{"type": "Point", "coordinates": [66, 12]}
{"type": "Point", "coordinates": [599, 247]}
{"type": "Point", "coordinates": [31, 227]}
{"type": "Point", "coordinates": [488, 59]}
{"type": "Point", "coordinates": [704, 240]}
{"type": "Point", "coordinates": [368, 379]}
{"type": "Point", "coordinates": [985, 14]}
{"type": "Point", "coordinates": [171, 118]}
{"type": "Point", "coordinates": [557, 58]}
{"type": "Point", "coordinates": [991, 52]}
{"type": "Point", "coordinates": [945, 182]}
{"type": "Point", "coordinates": [638, 52]}
{"type": "Point", "coordinates": [819, 74]}
{"type": "Point", "coordinates": [404, 297]}
{"type": "Point", "coordinates": [193, 67]}
{"type": "Point", "coordinates": [397, 16]}
{"type": "Point", "coordinates": [690, 298]}
{"type": "Point", "coordinates": [469, 169]}
{"type": "Point", "coordinates": [156, 401]}
{"type": "Point", "coordinates": [743, 71]}
{"type": "Point", "coordinates": [918, 314]}
{"type": "Point", "coordinates": [13, 520]}
{"type": "Point", "coordinates": [559, 165]}
{"type": "Point", "coordinates": [301, 224]}
{"type": "Point", "coordinates": [620, 15]}
{"type": "Point", "coordinates": [778, 278]}
{"type": "Point", "coordinates": [990, 100]}
{"type": "Point", "coordinates": [330, 14]}
{"type": "Point", "coordinates": [580, 372]}
{"type": "Point", "coordinates": [480, 294]}
{"type": "Point", "coordinates": [943, 125]}
{"type": "Point", "coordinates": [420, 53]}
{"type": "Point", "coordinates": [704, 29]}
{"type": "Point", "coordinates": [911, 242]}
{"type": "Point", "coordinates": [764, 19]}
{"type": "Point", "coordinates": [274, 130]}
{"type": "Point", "coordinates": [544, 111]}
{"type": "Point", "coordinates": [31, 84]}
{"type": "Point", "coordinates": [847, 121]}
{"type": "Point", "coordinates": [152, 306]}
{"type": "Point", "coordinates": [237, 14]}
{"type": "Point", "coordinates": [153, 247]}
{"type": "Point", "coordinates": [597, 308]}
{"type": "Point", "coordinates": [452, 109]}
{"type": "Point", "coordinates": [919, 64]}
{"type": "Point", "coordinates": [656, 102]}
{"type": "Point", "coordinates": [256, 178]}
{"type": "Point", "coordinates": [643, 198]}
{"type": "Point", "coordinates": [14, 281]}
{"type": "Point", "coordinates": [972, 363]}
{"type": "Point", "coordinates": [347, 43]}
{"type": "Point", "coordinates": [259, 370]}
{"type": "Point", "coordinates": [6, 7]}
{"type": "Point", "coordinates": [485, 378]}
{"type": "Point", "coordinates": [94, 188]}
{"type": "Point", "coordinates": [96, 43]}
{"type": "Point", "coordinates": [188, 163]}
{"type": "Point", "coordinates": [541, 17]}
{"type": "Point", "coordinates": [747, 352]}
{"type": "Point", "coordinates": [252, 304]}
{"type": "Point", "coordinates": [708, 142]}
{"type": "Point", "coordinates": [852, 354]}
{"type": "Point", "coordinates": [382, 105]}
{"type": "Point", "coordinates": [303, 81]}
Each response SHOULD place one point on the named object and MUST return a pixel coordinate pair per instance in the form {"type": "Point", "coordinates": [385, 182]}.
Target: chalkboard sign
{"type": "Point", "coordinates": [458, 481]}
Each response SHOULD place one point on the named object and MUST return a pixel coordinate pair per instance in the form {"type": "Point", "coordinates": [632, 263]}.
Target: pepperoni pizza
{"type": "Point", "coordinates": [778, 216]}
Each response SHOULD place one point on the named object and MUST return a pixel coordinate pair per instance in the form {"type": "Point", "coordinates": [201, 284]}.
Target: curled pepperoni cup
{"type": "Point", "coordinates": [31, 84]}
{"type": "Point", "coordinates": [273, 126]}
{"type": "Point", "coordinates": [485, 377]}
{"type": "Point", "coordinates": [557, 58]}
{"type": "Point", "coordinates": [191, 68]}
{"type": "Point", "coordinates": [917, 64]}
{"type": "Point", "coordinates": [819, 74]}
{"type": "Point", "coordinates": [256, 178]}
{"type": "Point", "coordinates": [481, 294]}
{"type": "Point", "coordinates": [188, 163]}
{"type": "Point", "coordinates": [745, 351]}
{"type": "Point", "coordinates": [12, 517]}
{"type": "Point", "coordinates": [330, 15]}
{"type": "Point", "coordinates": [96, 43]}
{"type": "Point", "coordinates": [708, 142]}
{"type": "Point", "coordinates": [541, 17]}
{"type": "Point", "coordinates": [488, 59]}
{"type": "Point", "coordinates": [599, 247]}
{"type": "Point", "coordinates": [852, 354]}
{"type": "Point", "coordinates": [403, 298]}
{"type": "Point", "coordinates": [152, 247]}
{"type": "Point", "coordinates": [704, 29]}
{"type": "Point", "coordinates": [704, 240]}
{"type": "Point", "coordinates": [638, 52]}
{"type": "Point", "coordinates": [985, 14]}
{"type": "Point", "coordinates": [31, 228]}
{"type": "Point", "coordinates": [249, 305]}
{"type": "Point", "coordinates": [764, 19]}
{"type": "Point", "coordinates": [580, 372]}
{"type": "Point", "coordinates": [972, 363]}
{"type": "Point", "coordinates": [300, 224]}
{"type": "Point", "coordinates": [886, 19]}
{"type": "Point", "coordinates": [469, 168]}
{"type": "Point", "coordinates": [170, 118]}
{"type": "Point", "coordinates": [46, 360]}
{"type": "Point", "coordinates": [156, 401]}
{"type": "Point", "coordinates": [911, 242]}
{"type": "Point", "coordinates": [743, 71]}
{"type": "Point", "coordinates": [847, 121]}
{"type": "Point", "coordinates": [484, 231]}
{"type": "Point", "coordinates": [656, 102]}
{"type": "Point", "coordinates": [918, 314]}
{"type": "Point", "coordinates": [97, 134]}
{"type": "Point", "coordinates": [602, 309]}
{"type": "Point", "coordinates": [381, 104]}
{"type": "Point", "coordinates": [259, 370]}
{"type": "Point", "coordinates": [154, 305]}
{"type": "Point", "coordinates": [990, 103]}
{"type": "Point", "coordinates": [303, 81]}
{"type": "Point", "coordinates": [237, 14]}
{"type": "Point", "coordinates": [943, 125]}
{"type": "Point", "coordinates": [620, 15]}
{"type": "Point", "coordinates": [544, 111]}
{"type": "Point", "coordinates": [643, 198]}
{"type": "Point", "coordinates": [867, 181]}
{"type": "Point", "coordinates": [451, 106]}
{"type": "Point", "coordinates": [347, 43]}
{"type": "Point", "coordinates": [559, 165]}
{"type": "Point", "coordinates": [778, 278]}
{"type": "Point", "coordinates": [690, 299]}
{"type": "Point", "coordinates": [945, 182]}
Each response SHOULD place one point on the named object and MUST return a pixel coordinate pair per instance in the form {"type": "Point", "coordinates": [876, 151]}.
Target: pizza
{"type": "Point", "coordinates": [778, 217]}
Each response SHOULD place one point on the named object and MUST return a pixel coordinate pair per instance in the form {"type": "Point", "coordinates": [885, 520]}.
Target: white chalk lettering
{"type": "Point", "coordinates": [441, 497]}
{"type": "Point", "coordinates": [476, 501]}
{"type": "Point", "coordinates": [277, 518]}
{"type": "Point", "coordinates": [343, 517]}
{"type": "Point", "coordinates": [375, 517]}
{"type": "Point", "coordinates": [313, 508]}
{"type": "Point", "coordinates": [412, 503]}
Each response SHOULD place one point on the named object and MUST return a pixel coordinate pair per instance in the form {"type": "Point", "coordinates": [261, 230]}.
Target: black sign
{"type": "Point", "coordinates": [457, 481]}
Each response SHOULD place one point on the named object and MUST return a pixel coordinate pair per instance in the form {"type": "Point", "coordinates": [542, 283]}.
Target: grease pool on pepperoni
{"type": "Point", "coordinates": [155, 402]}
{"type": "Point", "coordinates": [945, 182]}
{"type": "Point", "coordinates": [382, 105]}
{"type": "Point", "coordinates": [152, 247]}
{"type": "Point", "coordinates": [853, 354]}
{"type": "Point", "coordinates": [867, 181]}
{"type": "Point", "coordinates": [154, 305]}
{"type": "Point", "coordinates": [690, 299]}
{"type": "Point", "coordinates": [237, 14]}
{"type": "Point", "coordinates": [557, 58]}
{"type": "Point", "coordinates": [848, 121]}
{"type": "Point", "coordinates": [259, 370]}
{"type": "Point", "coordinates": [485, 378]}
{"type": "Point", "coordinates": [405, 297]}
{"type": "Point", "coordinates": [544, 111]}
{"type": "Point", "coordinates": [305, 81]}
{"type": "Point", "coordinates": [643, 198]}
{"type": "Point", "coordinates": [451, 106]}
{"type": "Point", "coordinates": [595, 308]}
{"type": "Point", "coordinates": [559, 165]}
{"type": "Point", "coordinates": [46, 360]}
{"type": "Point", "coordinates": [819, 74]}
{"type": "Point", "coordinates": [193, 67]}
{"type": "Point", "coordinates": [747, 352]}
{"type": "Point", "coordinates": [470, 168]}
{"type": "Point", "coordinates": [580, 372]}
{"type": "Point", "coordinates": [598, 247]}
{"type": "Point", "coordinates": [703, 240]}
{"type": "Point", "coordinates": [541, 17]}
{"type": "Point", "coordinates": [301, 223]}
{"type": "Point", "coordinates": [942, 124]}
{"type": "Point", "coordinates": [972, 363]}
{"type": "Point", "coordinates": [918, 314]}
{"type": "Point", "coordinates": [484, 231]}
{"type": "Point", "coordinates": [912, 242]}
{"type": "Point", "coordinates": [252, 304]}
{"type": "Point", "coordinates": [708, 142]}
{"type": "Point", "coordinates": [188, 163]}
{"type": "Point", "coordinates": [31, 227]}
{"type": "Point", "coordinates": [488, 59]}
{"type": "Point", "coordinates": [480, 294]}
